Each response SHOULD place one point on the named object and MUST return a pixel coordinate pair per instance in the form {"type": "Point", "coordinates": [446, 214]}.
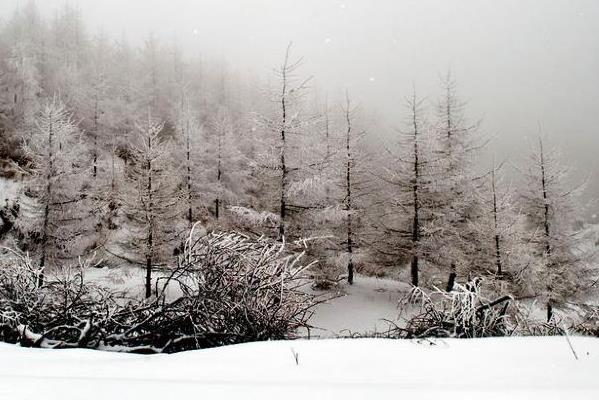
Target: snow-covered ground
{"type": "Point", "coordinates": [503, 368]}
{"type": "Point", "coordinates": [526, 368]}
{"type": "Point", "coordinates": [9, 190]}
{"type": "Point", "coordinates": [360, 308]}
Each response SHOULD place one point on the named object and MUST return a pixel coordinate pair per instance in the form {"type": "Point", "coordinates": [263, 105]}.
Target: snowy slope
{"type": "Point", "coordinates": [514, 368]}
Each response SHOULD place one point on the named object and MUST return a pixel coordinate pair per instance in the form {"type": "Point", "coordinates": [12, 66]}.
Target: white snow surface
{"type": "Point", "coordinates": [362, 307]}
{"type": "Point", "coordinates": [499, 368]}
{"type": "Point", "coordinates": [9, 190]}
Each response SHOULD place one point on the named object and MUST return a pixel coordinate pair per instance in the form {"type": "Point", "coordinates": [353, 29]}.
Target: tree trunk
{"type": "Point", "coordinates": [497, 241]}
{"type": "Point", "coordinates": [415, 187]}
{"type": "Point", "coordinates": [348, 198]}
{"type": "Point", "coordinates": [150, 226]}
{"type": "Point", "coordinates": [148, 284]}
{"type": "Point", "coordinates": [549, 311]}
{"type": "Point", "coordinates": [545, 201]}
{"type": "Point", "coordinates": [452, 277]}
{"type": "Point", "coordinates": [189, 194]}
{"type": "Point", "coordinates": [218, 175]}
{"type": "Point", "coordinates": [283, 165]}
{"type": "Point", "coordinates": [95, 150]}
{"type": "Point", "coordinates": [546, 222]}
{"type": "Point", "coordinates": [49, 175]}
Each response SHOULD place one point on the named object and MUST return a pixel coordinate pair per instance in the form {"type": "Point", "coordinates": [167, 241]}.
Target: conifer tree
{"type": "Point", "coordinates": [457, 147]}
{"type": "Point", "coordinates": [285, 127]}
{"type": "Point", "coordinates": [151, 201]}
{"type": "Point", "coordinates": [550, 206]}
{"type": "Point", "coordinates": [55, 211]}
{"type": "Point", "coordinates": [411, 201]}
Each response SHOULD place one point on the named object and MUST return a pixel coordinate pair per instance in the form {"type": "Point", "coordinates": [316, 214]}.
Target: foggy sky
{"type": "Point", "coordinates": [519, 63]}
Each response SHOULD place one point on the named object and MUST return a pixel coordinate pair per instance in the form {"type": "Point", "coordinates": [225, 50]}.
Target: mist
{"type": "Point", "coordinates": [520, 65]}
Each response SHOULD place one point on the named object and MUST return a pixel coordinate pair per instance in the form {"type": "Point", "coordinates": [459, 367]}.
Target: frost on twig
{"type": "Point", "coordinates": [233, 289]}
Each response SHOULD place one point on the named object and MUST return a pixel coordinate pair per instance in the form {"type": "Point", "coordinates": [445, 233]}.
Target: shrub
{"type": "Point", "coordinates": [248, 289]}
{"type": "Point", "coordinates": [231, 289]}
{"type": "Point", "coordinates": [463, 312]}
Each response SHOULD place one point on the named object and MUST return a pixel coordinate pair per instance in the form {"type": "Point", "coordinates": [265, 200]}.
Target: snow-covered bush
{"type": "Point", "coordinates": [464, 312]}
{"type": "Point", "coordinates": [65, 312]}
{"type": "Point", "coordinates": [232, 289]}
{"type": "Point", "coordinates": [245, 289]}
{"type": "Point", "coordinates": [533, 319]}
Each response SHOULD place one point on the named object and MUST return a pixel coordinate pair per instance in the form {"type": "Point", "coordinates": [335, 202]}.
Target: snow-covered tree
{"type": "Point", "coordinates": [458, 143]}
{"type": "Point", "coordinates": [69, 37]}
{"type": "Point", "coordinates": [411, 204]}
{"type": "Point", "coordinates": [501, 251]}
{"type": "Point", "coordinates": [21, 75]}
{"type": "Point", "coordinates": [152, 88]}
{"type": "Point", "coordinates": [25, 83]}
{"type": "Point", "coordinates": [226, 164]}
{"type": "Point", "coordinates": [349, 194]}
{"type": "Point", "coordinates": [549, 203]}
{"type": "Point", "coordinates": [345, 175]}
{"type": "Point", "coordinates": [54, 212]}
{"type": "Point", "coordinates": [285, 126]}
{"type": "Point", "coordinates": [189, 134]}
{"type": "Point", "coordinates": [151, 201]}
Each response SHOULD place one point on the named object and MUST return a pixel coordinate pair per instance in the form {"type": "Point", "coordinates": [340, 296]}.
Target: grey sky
{"type": "Point", "coordinates": [518, 62]}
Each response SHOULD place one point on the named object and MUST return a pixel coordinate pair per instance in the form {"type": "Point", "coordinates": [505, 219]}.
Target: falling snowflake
{"type": "Point", "coordinates": [371, 79]}
{"type": "Point", "coordinates": [327, 40]}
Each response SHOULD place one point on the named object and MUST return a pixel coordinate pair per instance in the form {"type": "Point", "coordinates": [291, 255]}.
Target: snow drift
{"type": "Point", "coordinates": [498, 368]}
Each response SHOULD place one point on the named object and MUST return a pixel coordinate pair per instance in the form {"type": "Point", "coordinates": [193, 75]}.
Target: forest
{"type": "Point", "coordinates": [243, 202]}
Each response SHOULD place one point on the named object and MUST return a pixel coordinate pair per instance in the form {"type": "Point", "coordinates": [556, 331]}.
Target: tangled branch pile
{"type": "Point", "coordinates": [231, 289]}
{"type": "Point", "coordinates": [462, 313]}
